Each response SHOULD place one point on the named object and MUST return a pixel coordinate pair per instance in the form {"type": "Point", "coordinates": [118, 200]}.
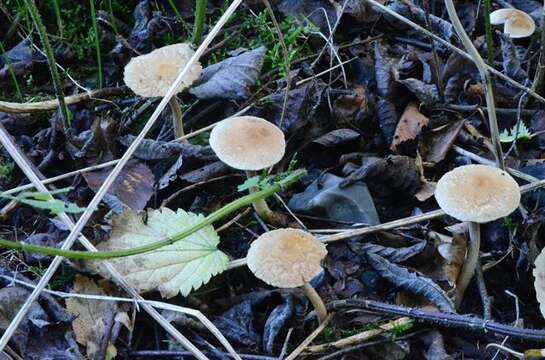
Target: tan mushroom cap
{"type": "Point", "coordinates": [517, 24]}
{"type": "Point", "coordinates": [248, 142]}
{"type": "Point", "coordinates": [539, 280]}
{"type": "Point", "coordinates": [286, 258]}
{"type": "Point", "coordinates": [477, 193]}
{"type": "Point", "coordinates": [152, 74]}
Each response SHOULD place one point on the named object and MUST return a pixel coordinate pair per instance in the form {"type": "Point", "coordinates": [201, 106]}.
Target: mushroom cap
{"type": "Point", "coordinates": [152, 74]}
{"type": "Point", "coordinates": [477, 193]}
{"type": "Point", "coordinates": [517, 24]}
{"type": "Point", "coordinates": [286, 258]}
{"type": "Point", "coordinates": [539, 280]}
{"type": "Point", "coordinates": [248, 142]}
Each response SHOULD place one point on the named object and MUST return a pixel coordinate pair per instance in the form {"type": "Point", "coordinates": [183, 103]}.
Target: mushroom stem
{"type": "Point", "coordinates": [316, 301]}
{"type": "Point", "coordinates": [470, 264]}
{"type": "Point", "coordinates": [260, 206]}
{"type": "Point", "coordinates": [177, 118]}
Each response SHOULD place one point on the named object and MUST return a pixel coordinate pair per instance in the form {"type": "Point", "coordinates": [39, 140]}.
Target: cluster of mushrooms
{"type": "Point", "coordinates": [291, 258]}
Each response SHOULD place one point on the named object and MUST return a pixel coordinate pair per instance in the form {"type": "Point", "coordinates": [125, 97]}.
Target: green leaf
{"type": "Point", "coordinates": [44, 201]}
{"type": "Point", "coordinates": [177, 268]}
{"type": "Point", "coordinates": [507, 136]}
{"type": "Point", "coordinates": [249, 183]}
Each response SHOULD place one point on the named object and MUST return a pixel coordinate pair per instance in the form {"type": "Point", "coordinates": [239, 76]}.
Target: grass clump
{"type": "Point", "coordinates": [258, 30]}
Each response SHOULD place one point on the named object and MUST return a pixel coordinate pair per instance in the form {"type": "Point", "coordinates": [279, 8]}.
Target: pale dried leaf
{"type": "Point", "coordinates": [409, 126]}
{"type": "Point", "coordinates": [178, 268]}
{"type": "Point", "coordinates": [91, 316]}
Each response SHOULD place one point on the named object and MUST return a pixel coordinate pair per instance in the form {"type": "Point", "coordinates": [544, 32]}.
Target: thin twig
{"type": "Point", "coordinates": [485, 75]}
{"type": "Point", "coordinates": [450, 320]}
{"type": "Point", "coordinates": [21, 108]}
{"type": "Point", "coordinates": [359, 337]}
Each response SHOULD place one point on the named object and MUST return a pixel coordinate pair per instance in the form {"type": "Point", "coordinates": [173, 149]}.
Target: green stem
{"type": "Point", "coordinates": [11, 72]}
{"type": "Point", "coordinates": [488, 32]}
{"type": "Point", "coordinates": [198, 27]}
{"type": "Point", "coordinates": [112, 16]}
{"type": "Point", "coordinates": [209, 220]}
{"type": "Point", "coordinates": [97, 42]}
{"type": "Point", "coordinates": [55, 77]}
{"type": "Point", "coordinates": [57, 10]}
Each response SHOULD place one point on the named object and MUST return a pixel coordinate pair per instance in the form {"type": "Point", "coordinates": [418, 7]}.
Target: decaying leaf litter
{"type": "Point", "coordinates": [377, 101]}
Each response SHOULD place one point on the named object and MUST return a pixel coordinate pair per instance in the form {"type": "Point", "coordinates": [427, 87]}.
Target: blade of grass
{"type": "Point", "coordinates": [200, 15]}
{"type": "Point", "coordinates": [58, 18]}
{"type": "Point", "coordinates": [55, 77]}
{"type": "Point", "coordinates": [96, 41]}
{"type": "Point", "coordinates": [112, 16]}
{"type": "Point", "coordinates": [11, 72]}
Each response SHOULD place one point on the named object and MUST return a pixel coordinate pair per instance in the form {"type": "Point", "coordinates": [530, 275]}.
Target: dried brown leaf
{"type": "Point", "coordinates": [437, 144]}
{"type": "Point", "coordinates": [92, 317]}
{"type": "Point", "coordinates": [409, 126]}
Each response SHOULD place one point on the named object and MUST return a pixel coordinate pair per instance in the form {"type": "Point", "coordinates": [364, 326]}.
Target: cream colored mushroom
{"type": "Point", "coordinates": [516, 23]}
{"type": "Point", "coordinates": [152, 74]}
{"type": "Point", "coordinates": [249, 143]}
{"type": "Point", "coordinates": [539, 280]}
{"type": "Point", "coordinates": [289, 258]}
{"type": "Point", "coordinates": [476, 194]}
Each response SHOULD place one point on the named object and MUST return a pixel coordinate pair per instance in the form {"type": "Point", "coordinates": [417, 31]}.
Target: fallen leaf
{"type": "Point", "coordinates": [337, 137]}
{"type": "Point", "coordinates": [276, 321]}
{"type": "Point", "coordinates": [395, 173]}
{"type": "Point", "coordinates": [438, 142]}
{"type": "Point", "coordinates": [231, 78]}
{"type": "Point", "coordinates": [427, 190]}
{"type": "Point", "coordinates": [323, 197]}
{"type": "Point", "coordinates": [133, 186]}
{"type": "Point", "coordinates": [92, 317]}
{"type": "Point", "coordinates": [178, 268]}
{"type": "Point", "coordinates": [395, 255]}
{"type": "Point", "coordinates": [411, 281]}
{"type": "Point", "coordinates": [409, 126]}
{"type": "Point", "coordinates": [348, 107]}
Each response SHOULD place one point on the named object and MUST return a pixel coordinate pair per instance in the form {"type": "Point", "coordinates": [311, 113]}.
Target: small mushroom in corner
{"type": "Point", "coordinates": [516, 23]}
{"type": "Point", "coordinates": [152, 74]}
{"type": "Point", "coordinates": [250, 143]}
{"type": "Point", "coordinates": [476, 194]}
{"type": "Point", "coordinates": [289, 258]}
{"type": "Point", "coordinates": [539, 280]}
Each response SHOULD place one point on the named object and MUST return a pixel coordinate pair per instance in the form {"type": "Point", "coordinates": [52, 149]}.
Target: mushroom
{"type": "Point", "coordinates": [476, 194]}
{"type": "Point", "coordinates": [250, 143]}
{"type": "Point", "coordinates": [289, 258]}
{"type": "Point", "coordinates": [539, 280]}
{"type": "Point", "coordinates": [517, 24]}
{"type": "Point", "coordinates": [152, 74]}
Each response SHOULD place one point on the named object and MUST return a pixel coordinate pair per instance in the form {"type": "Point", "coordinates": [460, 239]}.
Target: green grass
{"type": "Point", "coordinates": [6, 167]}
{"type": "Point", "coordinates": [258, 30]}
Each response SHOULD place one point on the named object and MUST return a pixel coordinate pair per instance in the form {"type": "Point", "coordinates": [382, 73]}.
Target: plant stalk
{"type": "Point", "coordinates": [472, 259]}
{"type": "Point", "coordinates": [488, 32]}
{"type": "Point", "coordinates": [260, 206]}
{"type": "Point", "coordinates": [209, 220]}
{"type": "Point", "coordinates": [316, 301]}
{"type": "Point", "coordinates": [55, 77]}
{"type": "Point", "coordinates": [97, 42]}
{"type": "Point", "coordinates": [485, 75]}
{"type": "Point", "coordinates": [200, 14]}
{"type": "Point", "coordinates": [177, 118]}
